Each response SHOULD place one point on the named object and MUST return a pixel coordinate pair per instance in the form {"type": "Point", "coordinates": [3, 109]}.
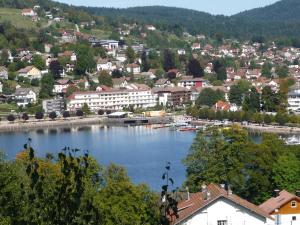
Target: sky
{"type": "Point", "coordinates": [225, 7]}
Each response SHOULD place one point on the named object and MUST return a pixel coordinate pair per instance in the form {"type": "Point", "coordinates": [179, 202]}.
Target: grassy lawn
{"type": "Point", "coordinates": [103, 34]}
{"type": "Point", "coordinates": [7, 108]}
{"type": "Point", "coordinates": [14, 16]}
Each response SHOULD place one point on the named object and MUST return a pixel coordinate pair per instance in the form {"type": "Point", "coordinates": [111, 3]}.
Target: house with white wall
{"type": "Point", "coordinates": [215, 205]}
{"type": "Point", "coordinates": [24, 96]}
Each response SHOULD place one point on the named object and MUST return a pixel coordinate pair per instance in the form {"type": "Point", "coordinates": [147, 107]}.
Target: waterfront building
{"type": "Point", "coordinates": [112, 99]}
{"type": "Point", "coordinates": [284, 207]}
{"type": "Point", "coordinates": [294, 98]}
{"type": "Point", "coordinates": [54, 105]}
{"type": "Point", "coordinates": [218, 206]}
{"type": "Point", "coordinates": [173, 96]}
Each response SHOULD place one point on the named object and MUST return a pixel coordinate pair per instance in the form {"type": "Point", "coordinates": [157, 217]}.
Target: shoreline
{"type": "Point", "coordinates": [256, 128]}
{"type": "Point", "coordinates": [19, 126]}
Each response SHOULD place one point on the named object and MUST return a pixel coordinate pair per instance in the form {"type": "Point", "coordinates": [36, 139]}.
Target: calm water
{"type": "Point", "coordinates": [142, 150]}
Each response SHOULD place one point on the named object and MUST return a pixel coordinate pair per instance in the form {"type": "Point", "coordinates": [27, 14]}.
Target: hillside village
{"type": "Point", "coordinates": [65, 63]}
{"type": "Point", "coordinates": [111, 75]}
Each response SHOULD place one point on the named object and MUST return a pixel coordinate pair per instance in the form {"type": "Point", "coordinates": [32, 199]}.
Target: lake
{"type": "Point", "coordinates": [143, 151]}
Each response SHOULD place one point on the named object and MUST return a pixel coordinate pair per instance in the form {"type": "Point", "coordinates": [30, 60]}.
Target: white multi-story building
{"type": "Point", "coordinates": [294, 98]}
{"type": "Point", "coordinates": [217, 206]}
{"type": "Point", "coordinates": [113, 99]}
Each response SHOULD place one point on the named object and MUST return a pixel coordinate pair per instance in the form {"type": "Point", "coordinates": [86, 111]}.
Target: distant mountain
{"type": "Point", "coordinates": [277, 20]}
{"type": "Point", "coordinates": [283, 11]}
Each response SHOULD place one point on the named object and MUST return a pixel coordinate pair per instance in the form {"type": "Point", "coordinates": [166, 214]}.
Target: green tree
{"type": "Point", "coordinates": [282, 71]}
{"type": "Point", "coordinates": [220, 70]}
{"type": "Point", "coordinates": [85, 109]}
{"type": "Point", "coordinates": [270, 99]}
{"type": "Point", "coordinates": [47, 84]}
{"type": "Point", "coordinates": [195, 68]}
{"type": "Point", "coordinates": [266, 70]}
{"type": "Point", "coordinates": [209, 97]}
{"type": "Point", "coordinates": [229, 156]}
{"type": "Point", "coordinates": [287, 172]}
{"type": "Point", "coordinates": [281, 118]}
{"type": "Point", "coordinates": [38, 62]}
{"type": "Point", "coordinates": [85, 60]}
{"type": "Point", "coordinates": [168, 60]}
{"type": "Point", "coordinates": [105, 79]}
{"type": "Point", "coordinates": [252, 101]}
{"type": "Point", "coordinates": [130, 55]}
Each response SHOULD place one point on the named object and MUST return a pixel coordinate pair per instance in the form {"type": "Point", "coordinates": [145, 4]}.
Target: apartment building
{"type": "Point", "coordinates": [112, 99]}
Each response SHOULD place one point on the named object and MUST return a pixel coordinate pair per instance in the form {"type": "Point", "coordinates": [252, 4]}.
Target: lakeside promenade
{"type": "Point", "coordinates": [255, 128]}
{"type": "Point", "coordinates": [33, 124]}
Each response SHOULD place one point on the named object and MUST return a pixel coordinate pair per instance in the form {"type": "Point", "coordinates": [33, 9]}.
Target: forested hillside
{"type": "Point", "coordinates": [281, 19]}
{"type": "Point", "coordinates": [282, 11]}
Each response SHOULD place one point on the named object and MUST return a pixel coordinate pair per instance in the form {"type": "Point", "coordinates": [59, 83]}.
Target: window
{"type": "Point", "coordinates": [222, 222]}
{"type": "Point", "coordinates": [293, 204]}
{"type": "Point", "coordinates": [294, 218]}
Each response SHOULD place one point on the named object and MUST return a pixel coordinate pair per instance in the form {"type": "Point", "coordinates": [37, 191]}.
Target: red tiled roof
{"type": "Point", "coordinates": [275, 203]}
{"type": "Point", "coordinates": [197, 202]}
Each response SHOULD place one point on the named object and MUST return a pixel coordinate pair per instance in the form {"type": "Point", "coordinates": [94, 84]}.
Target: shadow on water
{"type": "Point", "coordinates": [85, 128]}
{"type": "Point", "coordinates": [66, 130]}
{"type": "Point", "coordinates": [40, 131]}
{"type": "Point", "coordinates": [53, 131]}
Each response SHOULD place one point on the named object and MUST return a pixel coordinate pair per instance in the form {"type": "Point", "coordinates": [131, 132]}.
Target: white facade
{"type": "Point", "coordinates": [114, 100]}
{"type": "Point", "coordinates": [290, 219]}
{"type": "Point", "coordinates": [24, 97]}
{"type": "Point", "coordinates": [294, 99]}
{"type": "Point", "coordinates": [225, 212]}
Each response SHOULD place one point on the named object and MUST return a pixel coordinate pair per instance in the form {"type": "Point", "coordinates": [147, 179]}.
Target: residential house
{"type": "Point", "coordinates": [24, 96]}
{"type": "Point", "coordinates": [105, 64]}
{"type": "Point", "coordinates": [196, 46]}
{"type": "Point", "coordinates": [121, 82]}
{"type": "Point", "coordinates": [215, 205]}
{"type": "Point", "coordinates": [189, 82]}
{"type": "Point", "coordinates": [3, 73]}
{"type": "Point", "coordinates": [163, 82]}
{"type": "Point", "coordinates": [181, 52]}
{"type": "Point", "coordinates": [133, 68]}
{"type": "Point", "coordinates": [150, 27]}
{"type": "Point", "coordinates": [284, 207]}
{"type": "Point", "coordinates": [28, 12]}
{"type": "Point", "coordinates": [60, 86]}
{"type": "Point", "coordinates": [225, 106]}
{"type": "Point", "coordinates": [253, 74]}
{"type": "Point", "coordinates": [68, 37]}
{"type": "Point", "coordinates": [30, 72]}
{"type": "Point", "coordinates": [172, 96]}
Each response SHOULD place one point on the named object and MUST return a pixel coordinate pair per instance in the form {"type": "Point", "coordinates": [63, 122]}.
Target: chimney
{"type": "Point", "coordinates": [276, 192]}
{"type": "Point", "coordinates": [298, 193]}
{"type": "Point", "coordinates": [229, 191]}
{"type": "Point", "coordinates": [205, 192]}
{"type": "Point", "coordinates": [188, 193]}
{"type": "Point", "coordinates": [222, 186]}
